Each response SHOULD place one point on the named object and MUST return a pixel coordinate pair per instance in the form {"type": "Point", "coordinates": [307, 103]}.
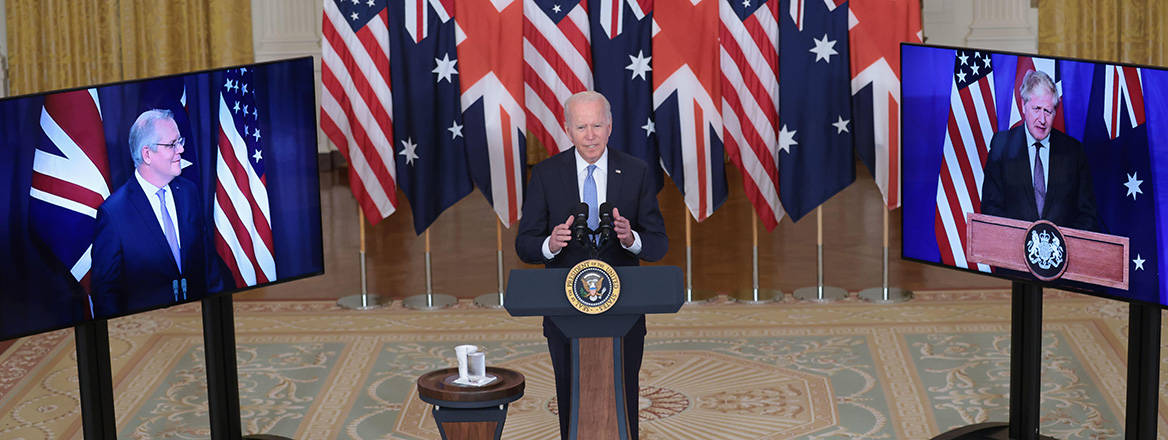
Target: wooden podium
{"type": "Point", "coordinates": [598, 406]}
{"type": "Point", "coordinates": [1092, 257]}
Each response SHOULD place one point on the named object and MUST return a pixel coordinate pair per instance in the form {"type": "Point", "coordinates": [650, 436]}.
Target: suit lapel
{"type": "Point", "coordinates": [1025, 169]}
{"type": "Point", "coordinates": [615, 178]}
{"type": "Point", "coordinates": [568, 175]}
{"type": "Point", "coordinates": [186, 229]}
{"type": "Point", "coordinates": [150, 222]}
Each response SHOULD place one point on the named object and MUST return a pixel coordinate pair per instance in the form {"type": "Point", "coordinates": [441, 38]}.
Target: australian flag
{"type": "Point", "coordinates": [427, 120]}
{"type": "Point", "coordinates": [1115, 137]}
{"type": "Point", "coordinates": [622, 72]}
{"type": "Point", "coordinates": [815, 119]}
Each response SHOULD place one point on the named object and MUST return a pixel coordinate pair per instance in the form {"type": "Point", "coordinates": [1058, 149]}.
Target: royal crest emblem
{"type": "Point", "coordinates": [1045, 251]}
{"type": "Point", "coordinates": [592, 286]}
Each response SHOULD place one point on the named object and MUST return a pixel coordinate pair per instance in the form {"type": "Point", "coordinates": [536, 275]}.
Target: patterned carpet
{"type": "Point", "coordinates": [309, 370]}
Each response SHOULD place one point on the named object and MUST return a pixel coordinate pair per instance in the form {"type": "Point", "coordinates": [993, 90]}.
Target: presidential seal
{"type": "Point", "coordinates": [1045, 251]}
{"type": "Point", "coordinates": [592, 286]}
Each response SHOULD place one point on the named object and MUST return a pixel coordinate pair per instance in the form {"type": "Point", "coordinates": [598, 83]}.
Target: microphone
{"type": "Point", "coordinates": [605, 222]}
{"type": "Point", "coordinates": [580, 223]}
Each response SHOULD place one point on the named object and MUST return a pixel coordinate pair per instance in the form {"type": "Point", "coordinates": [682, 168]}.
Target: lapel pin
{"type": "Point", "coordinates": [618, 171]}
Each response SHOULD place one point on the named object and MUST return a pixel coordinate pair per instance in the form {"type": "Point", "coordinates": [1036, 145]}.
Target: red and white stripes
{"type": "Point", "coordinates": [557, 61]}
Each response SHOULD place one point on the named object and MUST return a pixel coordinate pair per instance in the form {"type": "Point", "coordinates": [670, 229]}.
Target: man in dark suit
{"type": "Point", "coordinates": [1035, 172]}
{"type": "Point", "coordinates": [591, 172]}
{"type": "Point", "coordinates": [149, 248]}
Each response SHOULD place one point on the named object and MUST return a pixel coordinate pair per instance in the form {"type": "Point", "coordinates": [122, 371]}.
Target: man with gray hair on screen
{"type": "Point", "coordinates": [1035, 172]}
{"type": "Point", "coordinates": [150, 245]}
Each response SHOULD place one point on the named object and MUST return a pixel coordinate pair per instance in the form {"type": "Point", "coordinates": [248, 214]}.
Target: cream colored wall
{"type": "Point", "coordinates": [1010, 25]}
{"type": "Point", "coordinates": [287, 29]}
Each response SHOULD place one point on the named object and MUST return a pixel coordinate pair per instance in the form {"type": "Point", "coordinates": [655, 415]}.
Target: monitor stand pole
{"type": "Point", "coordinates": [222, 375]}
{"type": "Point", "coordinates": [96, 380]}
{"type": "Point", "coordinates": [1143, 371]}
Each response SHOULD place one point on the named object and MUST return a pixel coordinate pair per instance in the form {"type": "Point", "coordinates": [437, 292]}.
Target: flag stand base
{"type": "Point", "coordinates": [875, 295]}
{"type": "Point", "coordinates": [429, 302]}
{"type": "Point", "coordinates": [758, 296]}
{"type": "Point", "coordinates": [830, 294]}
{"type": "Point", "coordinates": [363, 302]}
{"type": "Point", "coordinates": [490, 300]}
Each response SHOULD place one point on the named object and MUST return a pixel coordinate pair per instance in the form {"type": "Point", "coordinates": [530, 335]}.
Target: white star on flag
{"type": "Point", "coordinates": [455, 130]}
{"type": "Point", "coordinates": [258, 156]}
{"type": "Point", "coordinates": [354, 16]}
{"type": "Point", "coordinates": [841, 124]}
{"type": "Point", "coordinates": [639, 65]}
{"type": "Point", "coordinates": [445, 68]}
{"type": "Point", "coordinates": [1139, 261]}
{"type": "Point", "coordinates": [649, 127]}
{"type": "Point", "coordinates": [236, 108]}
{"type": "Point", "coordinates": [556, 9]}
{"type": "Point", "coordinates": [964, 59]}
{"type": "Point", "coordinates": [975, 68]}
{"type": "Point", "coordinates": [409, 150]}
{"type": "Point", "coordinates": [256, 134]}
{"type": "Point", "coordinates": [1133, 185]}
{"type": "Point", "coordinates": [786, 139]}
{"type": "Point", "coordinates": [961, 76]}
{"type": "Point", "coordinates": [824, 49]}
{"type": "Point", "coordinates": [370, 3]}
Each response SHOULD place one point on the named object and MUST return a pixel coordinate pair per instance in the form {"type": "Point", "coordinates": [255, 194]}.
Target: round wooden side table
{"type": "Point", "coordinates": [466, 412]}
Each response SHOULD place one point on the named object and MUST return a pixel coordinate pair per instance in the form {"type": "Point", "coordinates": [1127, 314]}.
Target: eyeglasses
{"type": "Point", "coordinates": [178, 143]}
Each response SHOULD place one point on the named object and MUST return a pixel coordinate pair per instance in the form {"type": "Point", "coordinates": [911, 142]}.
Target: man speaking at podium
{"type": "Point", "coordinates": [1035, 172]}
{"type": "Point", "coordinates": [148, 251]}
{"type": "Point", "coordinates": [593, 174]}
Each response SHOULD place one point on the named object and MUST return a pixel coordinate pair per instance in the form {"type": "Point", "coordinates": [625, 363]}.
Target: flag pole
{"type": "Point", "coordinates": [758, 296]}
{"type": "Point", "coordinates": [494, 300]}
{"type": "Point", "coordinates": [429, 300]}
{"type": "Point", "coordinates": [363, 300]}
{"type": "Point", "coordinates": [885, 294]}
{"type": "Point", "coordinates": [689, 290]}
{"type": "Point", "coordinates": [820, 293]}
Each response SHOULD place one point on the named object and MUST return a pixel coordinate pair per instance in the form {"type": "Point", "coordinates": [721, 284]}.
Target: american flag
{"type": "Point", "coordinates": [686, 93]}
{"type": "Point", "coordinates": [971, 126]}
{"type": "Point", "coordinates": [621, 39]}
{"type": "Point", "coordinates": [356, 102]}
{"type": "Point", "coordinates": [876, 31]}
{"type": "Point", "coordinates": [750, 99]}
{"type": "Point", "coordinates": [243, 222]}
{"type": "Point", "coordinates": [428, 128]}
{"type": "Point", "coordinates": [492, 85]}
{"type": "Point", "coordinates": [557, 59]}
{"type": "Point", "coordinates": [815, 151]}
{"type": "Point", "coordinates": [70, 179]}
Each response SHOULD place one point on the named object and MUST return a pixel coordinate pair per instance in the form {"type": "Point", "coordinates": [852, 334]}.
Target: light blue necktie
{"type": "Point", "coordinates": [168, 229]}
{"type": "Point", "coordinates": [590, 199]}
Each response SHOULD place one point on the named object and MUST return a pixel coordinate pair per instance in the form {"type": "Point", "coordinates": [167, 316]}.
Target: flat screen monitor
{"type": "Point", "coordinates": [133, 196]}
{"type": "Point", "coordinates": [998, 147]}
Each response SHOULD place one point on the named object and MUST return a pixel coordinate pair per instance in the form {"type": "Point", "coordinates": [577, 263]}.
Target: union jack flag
{"type": "Point", "coordinates": [971, 126]}
{"type": "Point", "coordinates": [243, 221]}
{"type": "Point", "coordinates": [686, 94]}
{"type": "Point", "coordinates": [557, 63]}
{"type": "Point", "coordinates": [70, 179]}
{"type": "Point", "coordinates": [750, 100]}
{"type": "Point", "coordinates": [875, 32]}
{"type": "Point", "coordinates": [492, 83]}
{"type": "Point", "coordinates": [356, 101]}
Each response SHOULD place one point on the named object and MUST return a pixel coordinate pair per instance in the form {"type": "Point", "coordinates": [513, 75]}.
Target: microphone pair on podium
{"type": "Point", "coordinates": [581, 231]}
